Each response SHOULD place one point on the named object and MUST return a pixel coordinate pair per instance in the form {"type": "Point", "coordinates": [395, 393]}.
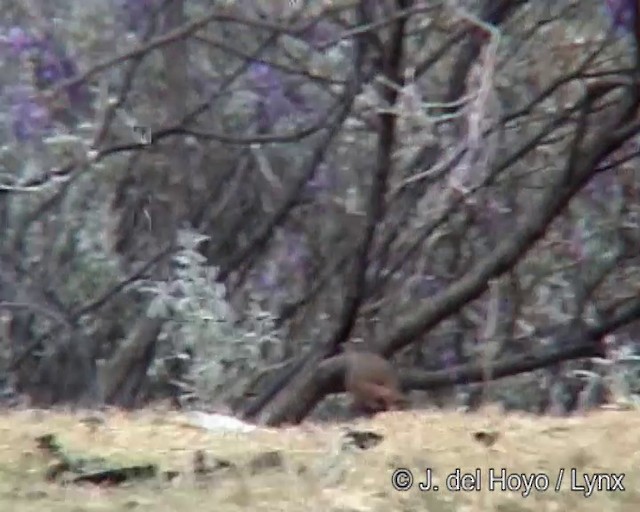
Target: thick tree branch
{"type": "Point", "coordinates": [473, 284]}
{"type": "Point", "coordinates": [307, 365]}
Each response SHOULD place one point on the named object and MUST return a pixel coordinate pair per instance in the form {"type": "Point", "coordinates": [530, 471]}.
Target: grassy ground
{"type": "Point", "coordinates": [317, 474]}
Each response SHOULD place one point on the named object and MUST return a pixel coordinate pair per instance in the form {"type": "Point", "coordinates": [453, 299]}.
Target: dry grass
{"type": "Point", "coordinates": [318, 475]}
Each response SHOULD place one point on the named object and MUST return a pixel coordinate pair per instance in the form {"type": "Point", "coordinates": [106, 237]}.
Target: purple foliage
{"type": "Point", "coordinates": [319, 33]}
{"type": "Point", "coordinates": [49, 65]}
{"type": "Point", "coordinates": [622, 13]}
{"type": "Point", "coordinates": [49, 61]}
{"type": "Point", "coordinates": [323, 180]}
{"type": "Point", "coordinates": [262, 120]}
{"type": "Point", "coordinates": [17, 40]}
{"type": "Point", "coordinates": [505, 306]}
{"type": "Point", "coordinates": [47, 68]}
{"type": "Point", "coordinates": [448, 358]}
{"type": "Point", "coordinates": [264, 78]}
{"type": "Point", "coordinates": [30, 118]}
{"type": "Point", "coordinates": [78, 93]}
{"type": "Point", "coordinates": [272, 103]}
{"type": "Point", "coordinates": [275, 99]}
{"type": "Point", "coordinates": [491, 215]}
{"type": "Point", "coordinates": [290, 261]}
{"type": "Point", "coordinates": [295, 249]}
{"type": "Point", "coordinates": [276, 106]}
{"type": "Point", "coordinates": [602, 187]}
{"type": "Point", "coordinates": [267, 280]}
{"type": "Point", "coordinates": [135, 13]}
{"type": "Point", "coordinates": [297, 100]}
{"type": "Point", "coordinates": [425, 286]}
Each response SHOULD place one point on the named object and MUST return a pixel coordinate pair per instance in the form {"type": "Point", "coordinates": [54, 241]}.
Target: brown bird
{"type": "Point", "coordinates": [372, 383]}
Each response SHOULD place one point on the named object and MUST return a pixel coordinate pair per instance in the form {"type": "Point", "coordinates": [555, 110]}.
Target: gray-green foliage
{"type": "Point", "coordinates": [620, 375]}
{"type": "Point", "coordinates": [221, 350]}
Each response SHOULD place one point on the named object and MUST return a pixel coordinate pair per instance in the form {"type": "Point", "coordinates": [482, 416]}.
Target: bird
{"type": "Point", "coordinates": [372, 382]}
